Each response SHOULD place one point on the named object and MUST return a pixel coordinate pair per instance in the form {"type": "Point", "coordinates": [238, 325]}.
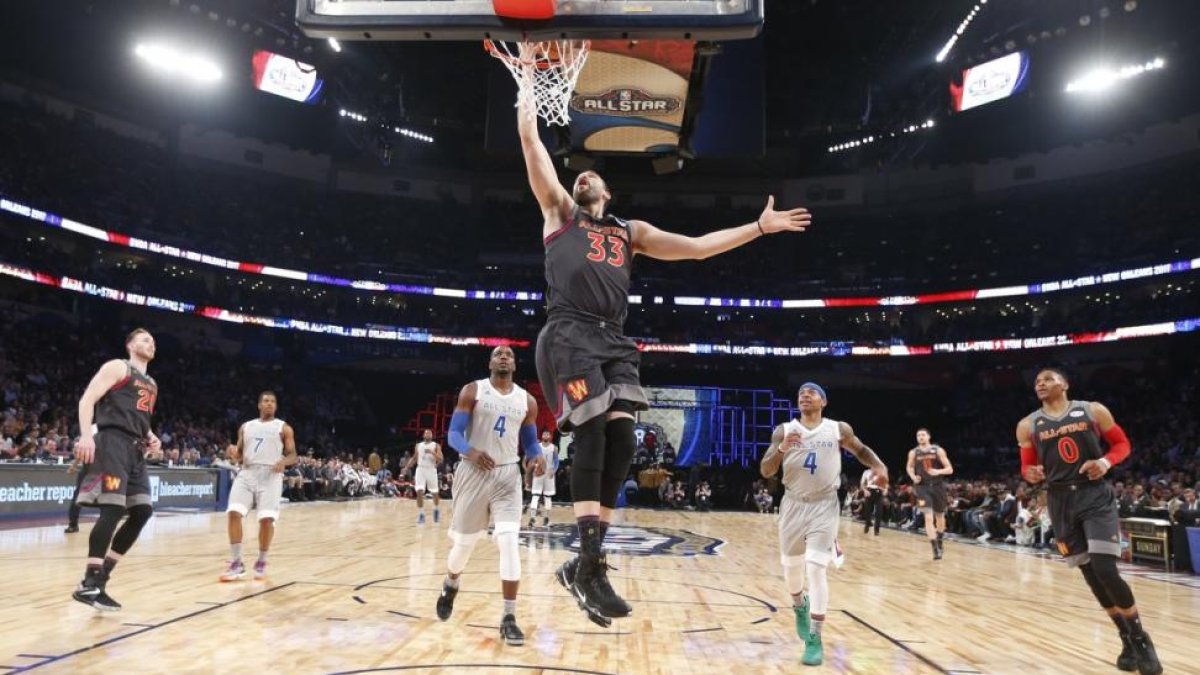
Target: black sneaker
{"type": "Point", "coordinates": [445, 603]}
{"type": "Point", "coordinates": [937, 549]}
{"type": "Point", "coordinates": [592, 590]}
{"type": "Point", "coordinates": [104, 602]}
{"type": "Point", "coordinates": [72, 528]}
{"type": "Point", "coordinates": [510, 632]}
{"type": "Point", "coordinates": [566, 577]}
{"type": "Point", "coordinates": [1147, 657]}
{"type": "Point", "coordinates": [1126, 661]}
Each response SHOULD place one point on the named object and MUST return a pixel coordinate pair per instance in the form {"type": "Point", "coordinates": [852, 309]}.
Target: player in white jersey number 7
{"type": "Point", "coordinates": [809, 450]}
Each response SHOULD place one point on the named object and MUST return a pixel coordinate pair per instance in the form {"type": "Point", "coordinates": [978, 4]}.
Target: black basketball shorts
{"type": "Point", "coordinates": [117, 475]}
{"type": "Point", "coordinates": [932, 496]}
{"type": "Point", "coordinates": [1085, 520]}
{"type": "Point", "coordinates": [584, 366]}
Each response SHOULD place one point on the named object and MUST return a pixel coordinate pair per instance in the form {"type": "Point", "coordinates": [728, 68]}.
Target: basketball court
{"type": "Point", "coordinates": [353, 587]}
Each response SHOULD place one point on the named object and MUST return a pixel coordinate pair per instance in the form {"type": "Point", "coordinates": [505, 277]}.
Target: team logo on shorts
{"type": "Point", "coordinates": [577, 390]}
{"type": "Point", "coordinates": [629, 540]}
{"type": "Point", "coordinates": [112, 483]}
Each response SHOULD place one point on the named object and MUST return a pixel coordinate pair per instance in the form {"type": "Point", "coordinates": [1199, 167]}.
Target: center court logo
{"type": "Point", "coordinates": [628, 540]}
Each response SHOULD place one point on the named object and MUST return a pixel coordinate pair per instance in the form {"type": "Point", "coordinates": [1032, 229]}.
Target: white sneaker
{"type": "Point", "coordinates": [983, 537]}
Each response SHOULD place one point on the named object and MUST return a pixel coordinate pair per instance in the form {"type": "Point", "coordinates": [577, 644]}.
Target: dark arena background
{"type": "Point", "coordinates": [328, 200]}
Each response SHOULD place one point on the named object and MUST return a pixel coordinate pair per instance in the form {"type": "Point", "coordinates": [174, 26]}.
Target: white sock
{"type": "Point", "coordinates": [235, 551]}
{"type": "Point", "coordinates": [510, 607]}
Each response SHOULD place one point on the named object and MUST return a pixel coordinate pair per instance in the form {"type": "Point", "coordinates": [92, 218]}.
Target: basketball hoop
{"type": "Point", "coordinates": [545, 73]}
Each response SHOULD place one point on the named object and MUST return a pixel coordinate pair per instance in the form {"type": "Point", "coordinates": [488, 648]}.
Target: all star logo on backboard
{"type": "Point", "coordinates": [625, 102]}
{"type": "Point", "coordinates": [628, 540]}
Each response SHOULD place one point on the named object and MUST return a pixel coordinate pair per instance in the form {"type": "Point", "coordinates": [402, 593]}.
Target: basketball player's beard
{"type": "Point", "coordinates": [588, 196]}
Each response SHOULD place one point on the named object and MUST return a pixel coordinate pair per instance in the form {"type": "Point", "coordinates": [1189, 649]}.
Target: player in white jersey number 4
{"type": "Point", "coordinates": [265, 448]}
{"type": "Point", "coordinates": [809, 450]}
{"type": "Point", "coordinates": [492, 415]}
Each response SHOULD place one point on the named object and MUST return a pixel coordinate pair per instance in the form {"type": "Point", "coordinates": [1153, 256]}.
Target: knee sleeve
{"type": "Point", "coordinates": [618, 454]}
{"type": "Point", "coordinates": [460, 553]}
{"type": "Point", "coordinates": [818, 587]}
{"type": "Point", "coordinates": [1104, 568]}
{"type": "Point", "coordinates": [588, 464]}
{"type": "Point", "coordinates": [510, 551]}
{"type": "Point", "coordinates": [794, 577]}
{"type": "Point", "coordinates": [102, 531]}
{"type": "Point", "coordinates": [137, 518]}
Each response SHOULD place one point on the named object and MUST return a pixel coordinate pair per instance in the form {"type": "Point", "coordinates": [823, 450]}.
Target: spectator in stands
{"type": "Point", "coordinates": [763, 500]}
{"type": "Point", "coordinates": [703, 496]}
{"type": "Point", "coordinates": [631, 490]}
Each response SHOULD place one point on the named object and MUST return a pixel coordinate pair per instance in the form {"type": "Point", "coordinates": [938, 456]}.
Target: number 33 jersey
{"type": "Point", "coordinates": [496, 421]}
{"type": "Point", "coordinates": [814, 466]}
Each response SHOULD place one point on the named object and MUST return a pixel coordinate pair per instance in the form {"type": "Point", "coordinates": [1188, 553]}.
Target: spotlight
{"type": "Point", "coordinates": [335, 45]}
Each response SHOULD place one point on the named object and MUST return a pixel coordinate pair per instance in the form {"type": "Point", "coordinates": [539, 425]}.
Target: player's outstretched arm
{"type": "Point", "coordinates": [551, 196]}
{"type": "Point", "coordinates": [866, 455]}
{"type": "Point", "coordinates": [651, 241]}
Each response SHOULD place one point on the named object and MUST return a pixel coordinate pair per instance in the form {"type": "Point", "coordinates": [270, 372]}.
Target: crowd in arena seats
{"type": "Point", "coordinates": [92, 175]}
{"type": "Point", "coordinates": [45, 364]}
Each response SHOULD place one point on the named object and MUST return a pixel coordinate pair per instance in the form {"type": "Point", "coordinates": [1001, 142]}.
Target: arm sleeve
{"type": "Point", "coordinates": [1028, 457]}
{"type": "Point", "coordinates": [1118, 445]}
{"type": "Point", "coordinates": [530, 441]}
{"type": "Point", "coordinates": [458, 428]}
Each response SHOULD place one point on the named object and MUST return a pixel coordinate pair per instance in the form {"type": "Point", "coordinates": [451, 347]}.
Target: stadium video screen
{"type": "Point", "coordinates": [289, 78]}
{"type": "Point", "coordinates": [992, 81]}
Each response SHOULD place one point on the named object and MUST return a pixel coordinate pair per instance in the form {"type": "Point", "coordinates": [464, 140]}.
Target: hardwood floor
{"type": "Point", "coordinates": [352, 588]}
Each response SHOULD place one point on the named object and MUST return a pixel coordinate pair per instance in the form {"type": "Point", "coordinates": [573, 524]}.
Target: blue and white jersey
{"type": "Point", "coordinates": [496, 421]}
{"type": "Point", "coordinates": [814, 466]}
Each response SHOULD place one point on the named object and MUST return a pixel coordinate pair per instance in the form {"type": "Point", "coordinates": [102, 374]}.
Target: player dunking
{"type": "Point", "coordinates": [427, 455]}
{"type": "Point", "coordinates": [587, 367]}
{"type": "Point", "coordinates": [491, 417]}
{"type": "Point", "coordinates": [119, 401]}
{"type": "Point", "coordinates": [542, 486]}
{"type": "Point", "coordinates": [266, 446]}
{"type": "Point", "coordinates": [1060, 444]}
{"type": "Point", "coordinates": [927, 464]}
{"type": "Point", "coordinates": [809, 450]}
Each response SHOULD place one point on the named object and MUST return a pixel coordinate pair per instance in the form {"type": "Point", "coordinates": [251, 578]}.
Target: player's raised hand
{"type": "Point", "coordinates": [795, 220]}
{"type": "Point", "coordinates": [1035, 474]}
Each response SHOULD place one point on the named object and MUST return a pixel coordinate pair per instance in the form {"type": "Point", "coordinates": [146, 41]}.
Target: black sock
{"type": "Point", "coordinates": [109, 564]}
{"type": "Point", "coordinates": [94, 574]}
{"type": "Point", "coordinates": [1135, 625]}
{"type": "Point", "coordinates": [1120, 623]}
{"type": "Point", "coordinates": [939, 536]}
{"type": "Point", "coordinates": [590, 537]}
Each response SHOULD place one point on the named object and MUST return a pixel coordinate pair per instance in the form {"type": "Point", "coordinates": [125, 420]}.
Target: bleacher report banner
{"type": "Point", "coordinates": [34, 488]}
{"type": "Point", "coordinates": [631, 96]}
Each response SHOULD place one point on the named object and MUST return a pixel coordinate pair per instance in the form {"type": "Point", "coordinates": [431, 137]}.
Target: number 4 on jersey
{"type": "Point", "coordinates": [810, 462]}
{"type": "Point", "coordinates": [499, 428]}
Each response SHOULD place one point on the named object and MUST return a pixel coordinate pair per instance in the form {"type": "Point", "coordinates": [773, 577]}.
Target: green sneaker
{"type": "Point", "coordinates": [814, 652]}
{"type": "Point", "coordinates": [803, 627]}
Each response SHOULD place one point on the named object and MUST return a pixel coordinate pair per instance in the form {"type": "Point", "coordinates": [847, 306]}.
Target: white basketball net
{"type": "Point", "coordinates": [545, 72]}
